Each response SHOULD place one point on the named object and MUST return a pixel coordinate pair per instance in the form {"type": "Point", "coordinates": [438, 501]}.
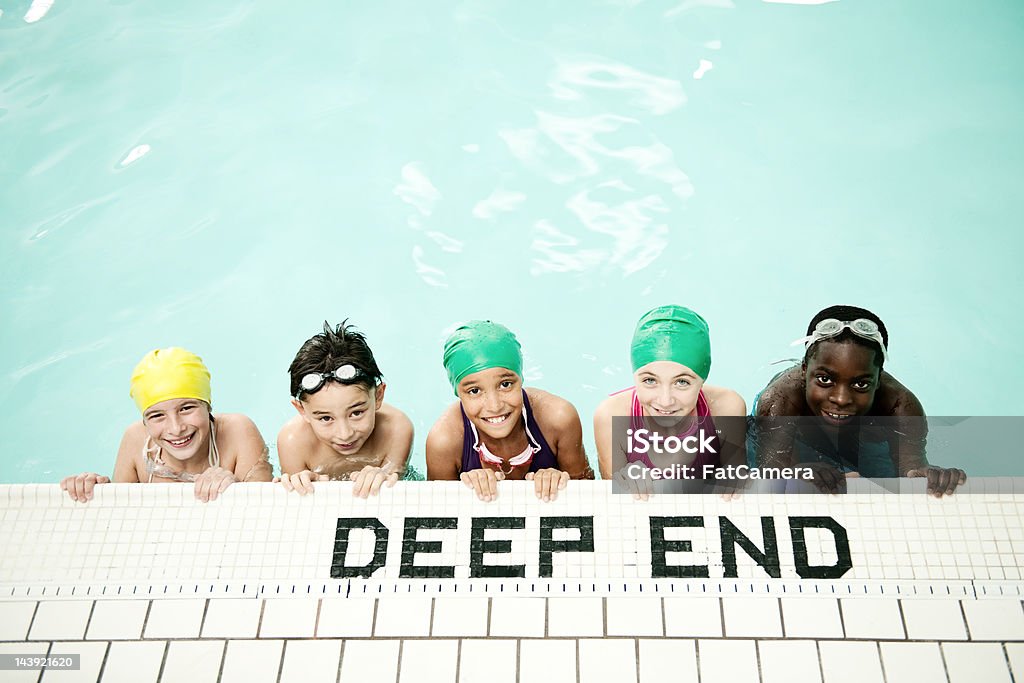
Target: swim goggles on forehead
{"type": "Point", "coordinates": [314, 381]}
{"type": "Point", "coordinates": [830, 327]}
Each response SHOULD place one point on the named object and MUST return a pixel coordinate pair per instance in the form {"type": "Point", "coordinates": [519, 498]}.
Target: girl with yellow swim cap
{"type": "Point", "coordinates": [498, 429]}
{"type": "Point", "coordinates": [671, 360]}
{"type": "Point", "coordinates": [179, 439]}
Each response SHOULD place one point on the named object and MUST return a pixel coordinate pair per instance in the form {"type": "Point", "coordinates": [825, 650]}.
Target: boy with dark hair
{"type": "Point", "coordinates": [343, 429]}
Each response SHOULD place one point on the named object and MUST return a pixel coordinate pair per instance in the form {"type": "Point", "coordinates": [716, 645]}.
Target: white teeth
{"type": "Point", "coordinates": [496, 420]}
{"type": "Point", "coordinates": [180, 442]}
{"type": "Point", "coordinates": [837, 417]}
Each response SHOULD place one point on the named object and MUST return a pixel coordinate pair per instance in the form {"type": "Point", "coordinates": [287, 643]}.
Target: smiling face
{"type": "Point", "coordinates": [342, 416]}
{"type": "Point", "coordinates": [180, 426]}
{"type": "Point", "coordinates": [667, 390]}
{"type": "Point", "coordinates": [840, 380]}
{"type": "Point", "coordinates": [493, 400]}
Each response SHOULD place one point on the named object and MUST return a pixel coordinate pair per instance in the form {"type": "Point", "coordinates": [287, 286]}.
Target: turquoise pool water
{"type": "Point", "coordinates": [224, 176]}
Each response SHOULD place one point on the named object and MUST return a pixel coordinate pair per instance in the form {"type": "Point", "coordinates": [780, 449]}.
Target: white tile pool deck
{"type": "Point", "coordinates": [146, 584]}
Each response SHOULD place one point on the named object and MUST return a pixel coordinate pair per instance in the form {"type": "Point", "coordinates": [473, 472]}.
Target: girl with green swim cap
{"type": "Point", "coordinates": [671, 359]}
{"type": "Point", "coordinates": [498, 429]}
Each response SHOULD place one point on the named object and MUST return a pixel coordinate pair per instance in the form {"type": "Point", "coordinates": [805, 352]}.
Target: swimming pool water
{"type": "Point", "coordinates": [225, 176]}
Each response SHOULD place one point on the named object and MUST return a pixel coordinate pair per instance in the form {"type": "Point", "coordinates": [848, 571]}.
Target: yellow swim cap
{"type": "Point", "coordinates": [164, 374]}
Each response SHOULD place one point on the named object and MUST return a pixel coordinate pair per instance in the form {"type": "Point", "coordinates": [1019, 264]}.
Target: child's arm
{"type": "Point", "coordinates": [398, 446]}
{"type": "Point", "coordinates": [291, 454]}
{"type": "Point", "coordinates": [80, 487]}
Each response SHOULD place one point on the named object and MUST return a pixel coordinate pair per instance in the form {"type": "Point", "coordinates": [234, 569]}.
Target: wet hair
{"type": "Point", "coordinates": [848, 314]}
{"type": "Point", "coordinates": [329, 350]}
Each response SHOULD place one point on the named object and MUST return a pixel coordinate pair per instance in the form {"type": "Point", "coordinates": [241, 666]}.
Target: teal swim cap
{"type": "Point", "coordinates": [480, 345]}
{"type": "Point", "coordinates": [672, 333]}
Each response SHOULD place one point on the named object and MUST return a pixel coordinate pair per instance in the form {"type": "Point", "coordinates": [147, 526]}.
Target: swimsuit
{"type": "Point", "coordinates": [543, 456]}
{"type": "Point", "coordinates": [704, 423]}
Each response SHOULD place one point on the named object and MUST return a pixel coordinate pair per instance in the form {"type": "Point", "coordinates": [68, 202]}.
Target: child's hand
{"type": "Point", "coordinates": [80, 487]}
{"type": "Point", "coordinates": [483, 481]}
{"type": "Point", "coordinates": [640, 487]}
{"type": "Point", "coordinates": [367, 481]}
{"type": "Point", "coordinates": [212, 483]}
{"type": "Point", "coordinates": [548, 482]}
{"type": "Point", "coordinates": [941, 480]}
{"type": "Point", "coordinates": [826, 478]}
{"type": "Point", "coordinates": [300, 481]}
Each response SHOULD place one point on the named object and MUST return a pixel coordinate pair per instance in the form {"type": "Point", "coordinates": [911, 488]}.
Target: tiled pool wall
{"type": "Point", "coordinates": [425, 583]}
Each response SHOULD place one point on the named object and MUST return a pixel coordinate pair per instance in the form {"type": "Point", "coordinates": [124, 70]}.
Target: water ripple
{"type": "Point", "coordinates": [416, 189]}
{"type": "Point", "coordinates": [434, 277]}
{"type": "Point", "coordinates": [37, 10]}
{"type": "Point", "coordinates": [500, 201]}
{"type": "Point", "coordinates": [654, 93]}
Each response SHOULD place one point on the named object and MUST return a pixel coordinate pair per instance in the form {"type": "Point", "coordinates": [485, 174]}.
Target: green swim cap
{"type": "Point", "coordinates": [480, 345]}
{"type": "Point", "coordinates": [672, 333]}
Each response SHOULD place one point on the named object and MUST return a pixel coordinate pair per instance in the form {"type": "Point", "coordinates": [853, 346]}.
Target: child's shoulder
{"type": "Point", "coordinates": [296, 432]}
{"type": "Point", "coordinates": [447, 430]}
{"type": "Point", "coordinates": [784, 395]}
{"type": "Point", "coordinates": [393, 421]}
{"type": "Point", "coordinates": [724, 401]}
{"type": "Point", "coordinates": [551, 411]}
{"type": "Point", "coordinates": [618, 404]}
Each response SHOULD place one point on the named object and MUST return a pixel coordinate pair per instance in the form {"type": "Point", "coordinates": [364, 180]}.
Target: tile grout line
{"type": "Point", "coordinates": [963, 615]}
{"type": "Point", "coordinates": [223, 660]}
{"type": "Point", "coordinates": [259, 622]}
{"type": "Point", "coordinates": [458, 660]}
{"type": "Point", "coordinates": [881, 662]}
{"type": "Point", "coordinates": [202, 620]}
{"type": "Point", "coordinates": [316, 621]}
{"type": "Point", "coordinates": [721, 615]}
{"type": "Point", "coordinates": [821, 664]}
{"type": "Point", "coordinates": [373, 624]}
{"type": "Point", "coordinates": [696, 656]}
{"type": "Point", "coordinates": [757, 656]}
{"type": "Point", "coordinates": [32, 621]}
{"type": "Point", "coordinates": [577, 660]}
{"type": "Point", "coordinates": [88, 622]}
{"type": "Point", "coordinates": [103, 664]}
{"type": "Point", "coordinates": [145, 623]}
{"type": "Point", "coordinates": [430, 626]}
{"type": "Point", "coordinates": [163, 660]}
{"type": "Point", "coordinates": [398, 669]}
{"type": "Point", "coordinates": [903, 620]}
{"type": "Point", "coordinates": [942, 658]}
{"type": "Point", "coordinates": [519, 645]}
{"type": "Point", "coordinates": [341, 659]}
{"type": "Point", "coordinates": [280, 665]}
{"type": "Point", "coordinates": [636, 652]}
{"type": "Point", "coordinates": [842, 620]}
{"type": "Point", "coordinates": [1006, 656]}
{"type": "Point", "coordinates": [490, 606]}
{"type": "Point", "coordinates": [782, 618]}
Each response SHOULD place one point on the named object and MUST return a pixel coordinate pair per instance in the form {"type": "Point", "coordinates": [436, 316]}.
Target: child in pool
{"type": "Point", "coordinates": [498, 429]}
{"type": "Point", "coordinates": [671, 360]}
{"type": "Point", "coordinates": [343, 429]}
{"type": "Point", "coordinates": [841, 379]}
{"type": "Point", "coordinates": [179, 439]}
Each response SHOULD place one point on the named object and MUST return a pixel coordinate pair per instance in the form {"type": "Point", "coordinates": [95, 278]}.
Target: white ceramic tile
{"type": "Point", "coordinates": [850, 662]}
{"type": "Point", "coordinates": [15, 618]}
{"type": "Point", "coordinates": [668, 659]}
{"type": "Point", "coordinates": [91, 660]}
{"type": "Point", "coordinates": [751, 617]}
{"type": "Point", "coordinates": [789, 661]}
{"type": "Point", "coordinates": [311, 661]}
{"type": "Point", "coordinates": [811, 618]}
{"type": "Point", "coordinates": [488, 661]}
{"type": "Point", "coordinates": [60, 620]}
{"type": "Point", "coordinates": [931, 619]}
{"type": "Point", "coordinates": [406, 617]}
{"type": "Point", "coordinates": [117, 620]}
{"type": "Point", "coordinates": [1015, 653]}
{"type": "Point", "coordinates": [550, 661]}
{"type": "Point", "coordinates": [429, 661]}
{"type": "Point", "coordinates": [606, 659]}
{"type": "Point", "coordinates": [251, 661]}
{"type": "Point", "coordinates": [175, 619]}
{"type": "Point", "coordinates": [193, 661]}
{"type": "Point", "coordinates": [973, 662]}
{"type": "Point", "coordinates": [517, 617]}
{"type": "Point", "coordinates": [369, 661]}
{"type": "Point", "coordinates": [31, 649]}
{"type": "Point", "coordinates": [994, 619]}
{"type": "Point", "coordinates": [918, 662]}
{"type": "Point", "coordinates": [232, 618]}
{"type": "Point", "coordinates": [289, 618]}
{"type": "Point", "coordinates": [875, 618]}
{"type": "Point", "coordinates": [577, 616]}
{"type": "Point", "coordinates": [697, 617]}
{"type": "Point", "coordinates": [727, 661]}
{"type": "Point", "coordinates": [465, 617]}
{"type": "Point", "coordinates": [346, 618]}
{"type": "Point", "coordinates": [634, 616]}
{"type": "Point", "coordinates": [133, 662]}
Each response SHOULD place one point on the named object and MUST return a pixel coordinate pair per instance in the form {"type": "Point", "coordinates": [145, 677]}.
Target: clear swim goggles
{"type": "Point", "coordinates": [831, 327]}
{"type": "Point", "coordinates": [314, 381]}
